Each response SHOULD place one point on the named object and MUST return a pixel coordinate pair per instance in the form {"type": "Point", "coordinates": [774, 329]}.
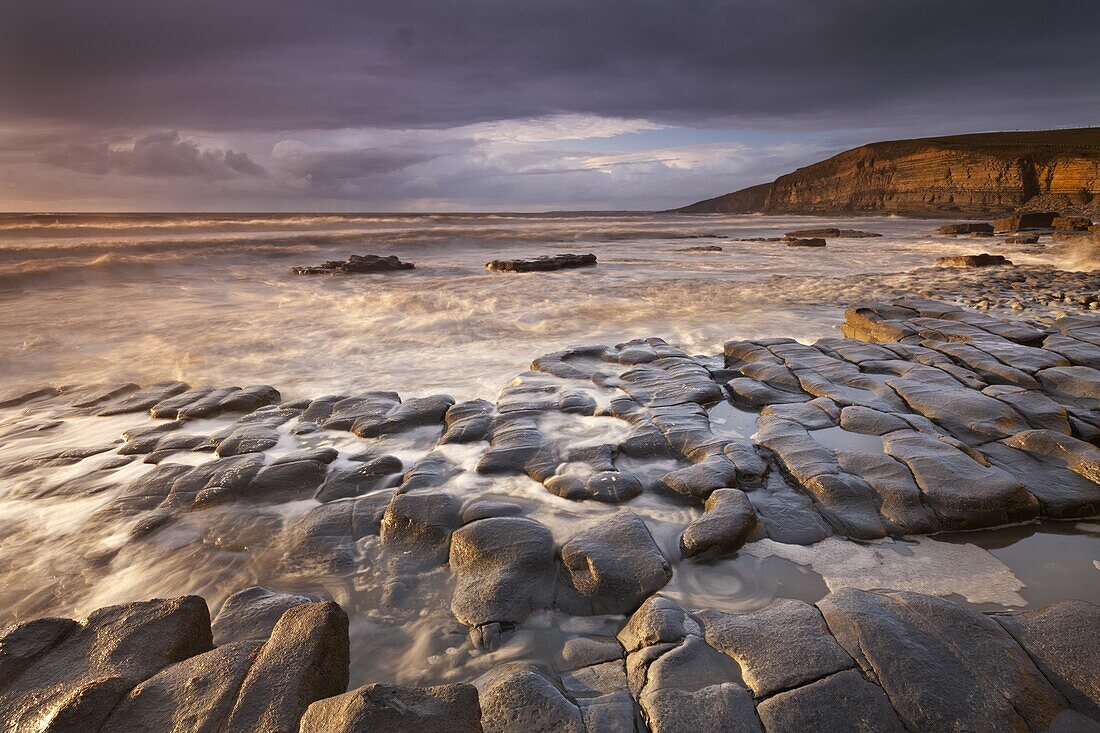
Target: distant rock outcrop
{"type": "Point", "coordinates": [985, 173]}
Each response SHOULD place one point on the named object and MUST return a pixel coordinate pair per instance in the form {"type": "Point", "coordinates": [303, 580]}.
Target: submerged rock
{"type": "Point", "coordinates": [809, 242]}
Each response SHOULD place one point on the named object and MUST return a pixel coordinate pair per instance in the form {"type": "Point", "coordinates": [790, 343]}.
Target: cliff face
{"type": "Point", "coordinates": [978, 174]}
{"type": "Point", "coordinates": [745, 201]}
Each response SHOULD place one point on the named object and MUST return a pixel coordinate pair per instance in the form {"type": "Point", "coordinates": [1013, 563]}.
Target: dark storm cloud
{"type": "Point", "coordinates": [323, 167]}
{"type": "Point", "coordinates": [157, 155]}
{"type": "Point", "coordinates": [810, 64]}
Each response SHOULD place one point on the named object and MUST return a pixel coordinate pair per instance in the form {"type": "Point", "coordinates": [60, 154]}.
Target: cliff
{"type": "Point", "coordinates": [984, 173]}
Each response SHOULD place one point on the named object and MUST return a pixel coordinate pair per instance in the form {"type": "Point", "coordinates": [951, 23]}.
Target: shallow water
{"type": "Point", "coordinates": [210, 300]}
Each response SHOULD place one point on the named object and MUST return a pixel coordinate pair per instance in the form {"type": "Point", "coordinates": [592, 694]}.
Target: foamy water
{"type": "Point", "coordinates": [210, 300]}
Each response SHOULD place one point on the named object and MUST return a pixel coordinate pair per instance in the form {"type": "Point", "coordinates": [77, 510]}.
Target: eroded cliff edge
{"type": "Point", "coordinates": [984, 173]}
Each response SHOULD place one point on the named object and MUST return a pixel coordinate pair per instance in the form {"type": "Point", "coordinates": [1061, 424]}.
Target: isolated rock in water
{"type": "Point", "coordinates": [831, 233]}
{"type": "Point", "coordinates": [391, 708]}
{"type": "Point", "coordinates": [726, 523]}
{"type": "Point", "coordinates": [251, 614]}
{"type": "Point", "coordinates": [982, 260]}
{"type": "Point", "coordinates": [967, 228]}
{"type": "Point", "coordinates": [1033, 220]}
{"type": "Point", "coordinates": [504, 569]}
{"type": "Point", "coordinates": [702, 248]}
{"type": "Point", "coordinates": [73, 679]}
{"type": "Point", "coordinates": [613, 566]}
{"type": "Point", "coordinates": [1022, 239]}
{"type": "Point", "coordinates": [304, 660]}
{"type": "Point", "coordinates": [811, 242]}
{"type": "Point", "coordinates": [356, 264]}
{"type": "Point", "coordinates": [543, 263]}
{"type": "Point", "coordinates": [525, 698]}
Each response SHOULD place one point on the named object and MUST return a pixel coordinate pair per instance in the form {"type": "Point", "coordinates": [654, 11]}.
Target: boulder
{"type": "Point", "coordinates": [251, 614]}
{"type": "Point", "coordinates": [304, 660]}
{"type": "Point", "coordinates": [1032, 220]}
{"type": "Point", "coordinates": [192, 696]}
{"type": "Point", "coordinates": [70, 676]}
{"type": "Point", "coordinates": [467, 422]}
{"type": "Point", "coordinates": [396, 709]}
{"type": "Point", "coordinates": [1071, 223]}
{"type": "Point", "coordinates": [525, 698]}
{"type": "Point", "coordinates": [811, 242]}
{"type": "Point", "coordinates": [613, 566]}
{"type": "Point", "coordinates": [417, 527]}
{"type": "Point", "coordinates": [504, 569]}
{"type": "Point", "coordinates": [727, 521]}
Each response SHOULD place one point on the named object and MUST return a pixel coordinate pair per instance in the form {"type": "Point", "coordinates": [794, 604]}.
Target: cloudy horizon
{"type": "Point", "coordinates": [495, 106]}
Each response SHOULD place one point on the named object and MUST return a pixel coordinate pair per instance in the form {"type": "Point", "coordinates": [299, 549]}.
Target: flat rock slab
{"type": "Point", "coordinates": [544, 263]}
{"type": "Point", "coordinates": [356, 264]}
{"type": "Point", "coordinates": [982, 260]}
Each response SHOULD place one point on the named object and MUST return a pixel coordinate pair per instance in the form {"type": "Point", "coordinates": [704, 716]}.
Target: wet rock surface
{"type": "Point", "coordinates": [982, 260]}
{"type": "Point", "coordinates": [356, 264]}
{"type": "Point", "coordinates": [859, 660]}
{"type": "Point", "coordinates": [585, 488]}
{"type": "Point", "coordinates": [544, 263]}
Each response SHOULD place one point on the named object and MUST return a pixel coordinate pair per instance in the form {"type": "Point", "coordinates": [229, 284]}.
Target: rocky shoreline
{"type": "Point", "coordinates": [925, 417]}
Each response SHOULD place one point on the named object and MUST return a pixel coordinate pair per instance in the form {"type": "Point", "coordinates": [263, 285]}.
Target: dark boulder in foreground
{"type": "Point", "coordinates": [811, 242]}
{"type": "Point", "coordinates": [544, 263]}
{"type": "Point", "coordinates": [396, 709]}
{"type": "Point", "coordinates": [967, 228]}
{"type": "Point", "coordinates": [356, 264]}
{"type": "Point", "coordinates": [830, 233]}
{"type": "Point", "coordinates": [982, 260]}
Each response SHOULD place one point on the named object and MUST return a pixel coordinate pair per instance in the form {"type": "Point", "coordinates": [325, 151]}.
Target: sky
{"type": "Point", "coordinates": [502, 105]}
